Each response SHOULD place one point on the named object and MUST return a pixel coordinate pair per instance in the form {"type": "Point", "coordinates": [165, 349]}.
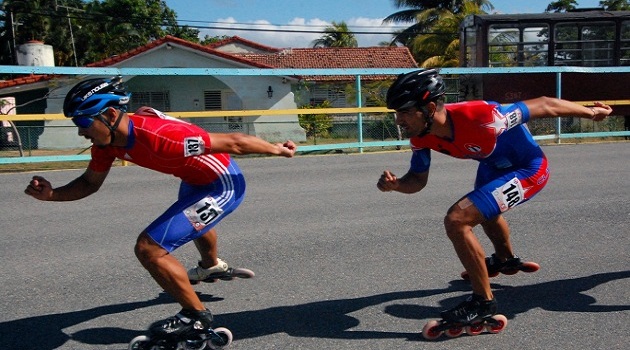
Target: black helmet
{"type": "Point", "coordinates": [88, 98]}
{"type": "Point", "coordinates": [415, 88]}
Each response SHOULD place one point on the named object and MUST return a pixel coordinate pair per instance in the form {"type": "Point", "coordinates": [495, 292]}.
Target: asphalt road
{"type": "Point", "coordinates": [339, 264]}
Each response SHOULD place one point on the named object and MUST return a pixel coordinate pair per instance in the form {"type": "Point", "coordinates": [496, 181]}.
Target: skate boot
{"type": "Point", "coordinates": [471, 316]}
{"type": "Point", "coordinates": [186, 321]}
{"type": "Point", "coordinates": [474, 308]}
{"type": "Point", "coordinates": [189, 329]}
{"type": "Point", "coordinates": [220, 271]}
{"type": "Point", "coordinates": [509, 267]}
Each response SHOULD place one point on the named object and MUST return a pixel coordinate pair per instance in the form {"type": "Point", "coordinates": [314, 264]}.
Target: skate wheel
{"type": "Point", "coordinates": [225, 340]}
{"type": "Point", "coordinates": [454, 332]}
{"type": "Point", "coordinates": [431, 330]}
{"type": "Point", "coordinates": [475, 329]}
{"type": "Point", "coordinates": [243, 273]}
{"type": "Point", "coordinates": [530, 266]}
{"type": "Point", "coordinates": [141, 342]}
{"type": "Point", "coordinates": [501, 323]}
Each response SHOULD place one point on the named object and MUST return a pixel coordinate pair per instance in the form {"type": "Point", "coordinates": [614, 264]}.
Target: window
{"type": "Point", "coordinates": [518, 45]}
{"type": "Point", "coordinates": [624, 54]}
{"type": "Point", "coordinates": [213, 101]}
{"type": "Point", "coordinates": [589, 45]}
{"type": "Point", "coordinates": [336, 95]}
{"type": "Point", "coordinates": [159, 100]}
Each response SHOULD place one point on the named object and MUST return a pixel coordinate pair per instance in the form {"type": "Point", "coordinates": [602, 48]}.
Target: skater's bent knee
{"type": "Point", "coordinates": [147, 250]}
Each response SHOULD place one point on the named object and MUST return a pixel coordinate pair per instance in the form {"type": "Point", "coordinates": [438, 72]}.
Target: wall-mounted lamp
{"type": "Point", "coordinates": [169, 46]}
{"type": "Point", "coordinates": [269, 92]}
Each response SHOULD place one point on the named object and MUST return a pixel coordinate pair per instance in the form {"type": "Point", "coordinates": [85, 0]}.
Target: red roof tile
{"type": "Point", "coordinates": [300, 58]}
{"type": "Point", "coordinates": [355, 57]}
{"type": "Point", "coordinates": [27, 79]}
{"type": "Point", "coordinates": [177, 41]}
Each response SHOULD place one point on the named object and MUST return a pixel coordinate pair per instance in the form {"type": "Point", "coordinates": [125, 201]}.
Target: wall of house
{"type": "Point", "coordinates": [186, 95]}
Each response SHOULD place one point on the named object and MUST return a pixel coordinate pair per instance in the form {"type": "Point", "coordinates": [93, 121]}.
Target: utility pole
{"type": "Point", "coordinates": [74, 50]}
{"type": "Point", "coordinates": [9, 8]}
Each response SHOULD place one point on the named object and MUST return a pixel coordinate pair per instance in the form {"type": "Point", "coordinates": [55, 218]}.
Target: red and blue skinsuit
{"type": "Point", "coordinates": [212, 184]}
{"type": "Point", "coordinates": [512, 167]}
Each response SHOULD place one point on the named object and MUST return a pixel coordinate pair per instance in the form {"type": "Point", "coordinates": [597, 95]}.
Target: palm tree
{"type": "Point", "coordinates": [433, 38]}
{"type": "Point", "coordinates": [336, 35]}
{"type": "Point", "coordinates": [440, 47]}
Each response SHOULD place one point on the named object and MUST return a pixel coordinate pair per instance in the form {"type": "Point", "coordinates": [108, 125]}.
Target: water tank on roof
{"type": "Point", "coordinates": [35, 53]}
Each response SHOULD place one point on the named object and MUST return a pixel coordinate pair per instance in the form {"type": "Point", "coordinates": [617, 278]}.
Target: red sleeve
{"type": "Point", "coordinates": [101, 159]}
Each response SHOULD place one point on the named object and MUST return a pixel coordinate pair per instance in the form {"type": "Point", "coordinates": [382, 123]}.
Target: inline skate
{"type": "Point", "coordinates": [188, 330]}
{"type": "Point", "coordinates": [471, 316]}
{"type": "Point", "coordinates": [509, 267]}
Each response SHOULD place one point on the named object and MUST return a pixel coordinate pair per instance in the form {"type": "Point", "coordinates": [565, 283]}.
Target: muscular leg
{"type": "Point", "coordinates": [459, 221]}
{"type": "Point", "coordinates": [167, 271]}
{"type": "Point", "coordinates": [498, 231]}
{"type": "Point", "coordinates": [207, 247]}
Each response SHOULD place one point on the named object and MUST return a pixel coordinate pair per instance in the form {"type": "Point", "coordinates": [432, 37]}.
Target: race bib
{"type": "Point", "coordinates": [509, 195]}
{"type": "Point", "coordinates": [203, 213]}
{"type": "Point", "coordinates": [193, 146]}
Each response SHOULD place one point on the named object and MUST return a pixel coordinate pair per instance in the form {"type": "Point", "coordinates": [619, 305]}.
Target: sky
{"type": "Point", "coordinates": [269, 21]}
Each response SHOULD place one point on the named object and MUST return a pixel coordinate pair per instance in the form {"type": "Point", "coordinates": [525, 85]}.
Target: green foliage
{"type": "Point", "coordinates": [383, 129]}
{"type": "Point", "coordinates": [433, 38]}
{"type": "Point", "coordinates": [83, 32]}
{"type": "Point", "coordinates": [561, 6]}
{"type": "Point", "coordinates": [336, 35]}
{"type": "Point", "coordinates": [316, 125]}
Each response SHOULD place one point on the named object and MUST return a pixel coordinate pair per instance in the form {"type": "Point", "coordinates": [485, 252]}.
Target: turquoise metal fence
{"type": "Point", "coordinates": [360, 123]}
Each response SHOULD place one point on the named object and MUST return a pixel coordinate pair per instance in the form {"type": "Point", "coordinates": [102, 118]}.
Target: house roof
{"type": "Point", "coordinates": [262, 56]}
{"type": "Point", "coordinates": [177, 41]}
{"type": "Point", "coordinates": [355, 57]}
{"type": "Point", "coordinates": [241, 41]}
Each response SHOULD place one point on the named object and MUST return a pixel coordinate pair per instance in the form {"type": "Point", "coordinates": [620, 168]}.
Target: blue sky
{"type": "Point", "coordinates": [269, 20]}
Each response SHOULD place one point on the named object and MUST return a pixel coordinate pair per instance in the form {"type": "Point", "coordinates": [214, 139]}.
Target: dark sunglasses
{"type": "Point", "coordinates": [83, 122]}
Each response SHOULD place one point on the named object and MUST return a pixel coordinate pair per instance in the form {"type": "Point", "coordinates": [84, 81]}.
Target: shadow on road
{"type": "Point", "coordinates": [322, 319]}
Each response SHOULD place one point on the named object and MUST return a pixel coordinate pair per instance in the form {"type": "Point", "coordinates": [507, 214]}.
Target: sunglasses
{"type": "Point", "coordinates": [83, 122]}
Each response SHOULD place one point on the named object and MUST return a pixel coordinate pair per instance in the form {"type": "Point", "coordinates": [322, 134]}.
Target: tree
{"type": "Point", "coordinates": [207, 39]}
{"type": "Point", "coordinates": [426, 13]}
{"type": "Point", "coordinates": [82, 31]}
{"type": "Point", "coordinates": [615, 5]}
{"type": "Point", "coordinates": [433, 39]}
{"type": "Point", "coordinates": [336, 35]}
{"type": "Point", "coordinates": [441, 46]}
{"type": "Point", "coordinates": [561, 6]}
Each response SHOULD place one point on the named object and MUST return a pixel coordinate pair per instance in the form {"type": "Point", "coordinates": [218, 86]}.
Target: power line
{"type": "Point", "coordinates": [246, 27]}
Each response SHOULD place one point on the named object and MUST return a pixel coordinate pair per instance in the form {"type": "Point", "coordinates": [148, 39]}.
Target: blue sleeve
{"type": "Point", "coordinates": [420, 160]}
{"type": "Point", "coordinates": [515, 113]}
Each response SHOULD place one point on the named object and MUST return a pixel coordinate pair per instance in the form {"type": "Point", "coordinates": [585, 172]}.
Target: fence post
{"type": "Point", "coordinates": [558, 95]}
{"type": "Point", "coordinates": [359, 115]}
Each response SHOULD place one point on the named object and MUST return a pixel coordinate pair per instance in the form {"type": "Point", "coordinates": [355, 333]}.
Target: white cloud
{"type": "Point", "coordinates": [299, 32]}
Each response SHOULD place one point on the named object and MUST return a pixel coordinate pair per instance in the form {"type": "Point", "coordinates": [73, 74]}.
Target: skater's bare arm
{"type": "Point", "coordinates": [238, 143]}
{"type": "Point", "coordinates": [81, 187]}
{"type": "Point", "coordinates": [410, 183]}
{"type": "Point", "coordinates": [547, 107]}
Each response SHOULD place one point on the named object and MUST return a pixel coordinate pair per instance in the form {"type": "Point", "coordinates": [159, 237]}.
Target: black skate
{"type": "Point", "coordinates": [225, 273]}
{"type": "Point", "coordinates": [509, 267]}
{"type": "Point", "coordinates": [471, 316]}
{"type": "Point", "coordinates": [187, 330]}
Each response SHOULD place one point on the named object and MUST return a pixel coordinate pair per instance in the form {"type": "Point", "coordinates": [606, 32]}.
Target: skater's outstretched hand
{"type": "Point", "coordinates": [39, 188]}
{"type": "Point", "coordinates": [387, 182]}
{"type": "Point", "coordinates": [287, 149]}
